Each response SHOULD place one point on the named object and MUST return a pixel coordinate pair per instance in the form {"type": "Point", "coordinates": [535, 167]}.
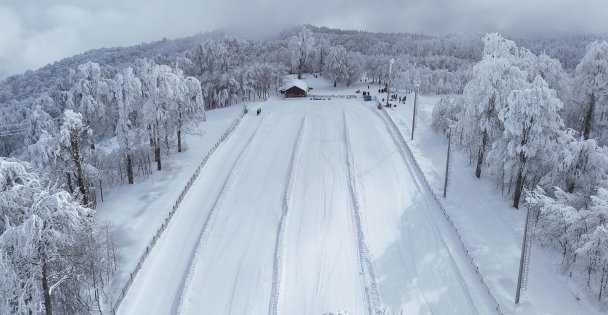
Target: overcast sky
{"type": "Point", "coordinates": [36, 32]}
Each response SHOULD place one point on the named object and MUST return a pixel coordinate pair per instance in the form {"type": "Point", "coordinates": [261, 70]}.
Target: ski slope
{"type": "Point", "coordinates": [310, 208]}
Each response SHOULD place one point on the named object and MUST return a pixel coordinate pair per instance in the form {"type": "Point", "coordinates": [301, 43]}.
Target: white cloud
{"type": "Point", "coordinates": [10, 41]}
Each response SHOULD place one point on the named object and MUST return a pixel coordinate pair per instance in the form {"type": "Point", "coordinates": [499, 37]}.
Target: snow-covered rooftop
{"type": "Point", "coordinates": [297, 83]}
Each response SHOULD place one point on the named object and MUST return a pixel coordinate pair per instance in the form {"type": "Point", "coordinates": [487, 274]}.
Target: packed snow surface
{"type": "Point", "coordinates": [312, 207]}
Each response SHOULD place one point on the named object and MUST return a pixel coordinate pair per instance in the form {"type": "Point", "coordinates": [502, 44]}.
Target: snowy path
{"type": "Point", "coordinates": [233, 271]}
{"type": "Point", "coordinates": [157, 286]}
{"type": "Point", "coordinates": [321, 269]}
{"type": "Point", "coordinates": [318, 213]}
{"type": "Point", "coordinates": [277, 270]}
{"type": "Point", "coordinates": [365, 257]}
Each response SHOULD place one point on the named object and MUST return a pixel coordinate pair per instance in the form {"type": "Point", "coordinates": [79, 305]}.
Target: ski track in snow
{"type": "Point", "coordinates": [288, 227]}
{"type": "Point", "coordinates": [370, 281]}
{"type": "Point", "coordinates": [277, 270]}
{"type": "Point", "coordinates": [236, 168]}
{"type": "Point", "coordinates": [322, 268]}
{"type": "Point", "coordinates": [248, 218]}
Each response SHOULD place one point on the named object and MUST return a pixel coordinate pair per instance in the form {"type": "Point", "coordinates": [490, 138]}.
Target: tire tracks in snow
{"type": "Point", "coordinates": [277, 263]}
{"type": "Point", "coordinates": [210, 220]}
{"type": "Point", "coordinates": [366, 261]}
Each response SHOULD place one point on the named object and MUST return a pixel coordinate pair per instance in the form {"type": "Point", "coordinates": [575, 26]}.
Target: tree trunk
{"type": "Point", "coordinates": [519, 184]}
{"type": "Point", "coordinates": [129, 169]}
{"type": "Point", "coordinates": [335, 82]}
{"type": "Point", "coordinates": [602, 283]}
{"type": "Point", "coordinates": [75, 152]}
{"type": "Point", "coordinates": [571, 187]}
{"type": "Point", "coordinates": [480, 154]}
{"type": "Point", "coordinates": [157, 157]}
{"type": "Point", "coordinates": [587, 124]}
{"type": "Point", "coordinates": [167, 137]}
{"type": "Point", "coordinates": [70, 188]}
{"type": "Point", "coordinates": [81, 185]}
{"type": "Point", "coordinates": [300, 67]}
{"type": "Point", "coordinates": [179, 139]}
{"type": "Point", "coordinates": [48, 308]}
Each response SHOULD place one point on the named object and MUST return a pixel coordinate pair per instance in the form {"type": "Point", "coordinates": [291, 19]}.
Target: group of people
{"type": "Point", "coordinates": [396, 97]}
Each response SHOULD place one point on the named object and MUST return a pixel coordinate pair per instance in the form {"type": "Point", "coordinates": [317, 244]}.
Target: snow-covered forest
{"type": "Point", "coordinates": [541, 132]}
{"type": "Point", "coordinates": [531, 113]}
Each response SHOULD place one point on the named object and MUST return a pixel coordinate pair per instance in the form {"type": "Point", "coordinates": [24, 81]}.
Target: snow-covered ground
{"type": "Point", "coordinates": [314, 207]}
{"type": "Point", "coordinates": [309, 208]}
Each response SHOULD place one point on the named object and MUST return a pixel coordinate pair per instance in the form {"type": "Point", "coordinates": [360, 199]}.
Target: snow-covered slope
{"type": "Point", "coordinates": [309, 208]}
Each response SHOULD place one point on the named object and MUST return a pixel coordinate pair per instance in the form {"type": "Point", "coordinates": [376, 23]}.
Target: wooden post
{"type": "Point", "coordinates": [414, 115]}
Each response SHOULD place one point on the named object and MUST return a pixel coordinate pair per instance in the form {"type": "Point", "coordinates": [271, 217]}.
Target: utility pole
{"type": "Point", "coordinates": [447, 163]}
{"type": "Point", "coordinates": [416, 85]}
{"type": "Point", "coordinates": [524, 261]}
{"type": "Point", "coordinates": [388, 84]}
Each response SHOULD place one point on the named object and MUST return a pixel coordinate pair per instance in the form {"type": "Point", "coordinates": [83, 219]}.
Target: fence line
{"type": "Point", "coordinates": [440, 204]}
{"type": "Point", "coordinates": [347, 96]}
{"type": "Point", "coordinates": [162, 228]}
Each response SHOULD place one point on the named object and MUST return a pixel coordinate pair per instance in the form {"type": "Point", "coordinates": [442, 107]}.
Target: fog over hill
{"type": "Point", "coordinates": [35, 33]}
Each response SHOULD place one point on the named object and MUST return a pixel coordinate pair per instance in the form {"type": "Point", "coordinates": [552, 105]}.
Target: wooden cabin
{"type": "Point", "coordinates": [295, 88]}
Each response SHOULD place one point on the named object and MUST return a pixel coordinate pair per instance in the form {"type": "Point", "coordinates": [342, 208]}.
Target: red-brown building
{"type": "Point", "coordinates": [295, 88]}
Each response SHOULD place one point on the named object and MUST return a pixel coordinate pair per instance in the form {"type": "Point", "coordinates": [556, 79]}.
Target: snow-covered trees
{"type": "Point", "coordinates": [230, 70]}
{"type": "Point", "coordinates": [169, 99]}
{"type": "Point", "coordinates": [494, 77]}
{"type": "Point", "coordinates": [335, 66]}
{"type": "Point", "coordinates": [90, 94]}
{"type": "Point", "coordinates": [512, 123]}
{"type": "Point", "coordinates": [156, 104]}
{"type": "Point", "coordinates": [580, 168]}
{"type": "Point", "coordinates": [301, 47]}
{"type": "Point", "coordinates": [136, 105]}
{"type": "Point", "coordinates": [321, 52]}
{"type": "Point", "coordinates": [446, 112]}
{"type": "Point", "coordinates": [39, 134]}
{"type": "Point", "coordinates": [71, 134]}
{"type": "Point", "coordinates": [590, 93]}
{"type": "Point", "coordinates": [551, 71]}
{"type": "Point", "coordinates": [192, 103]}
{"type": "Point", "coordinates": [342, 65]}
{"type": "Point", "coordinates": [354, 67]}
{"type": "Point", "coordinates": [532, 130]}
{"type": "Point", "coordinates": [42, 227]}
{"type": "Point", "coordinates": [580, 234]}
{"type": "Point", "coordinates": [128, 128]}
